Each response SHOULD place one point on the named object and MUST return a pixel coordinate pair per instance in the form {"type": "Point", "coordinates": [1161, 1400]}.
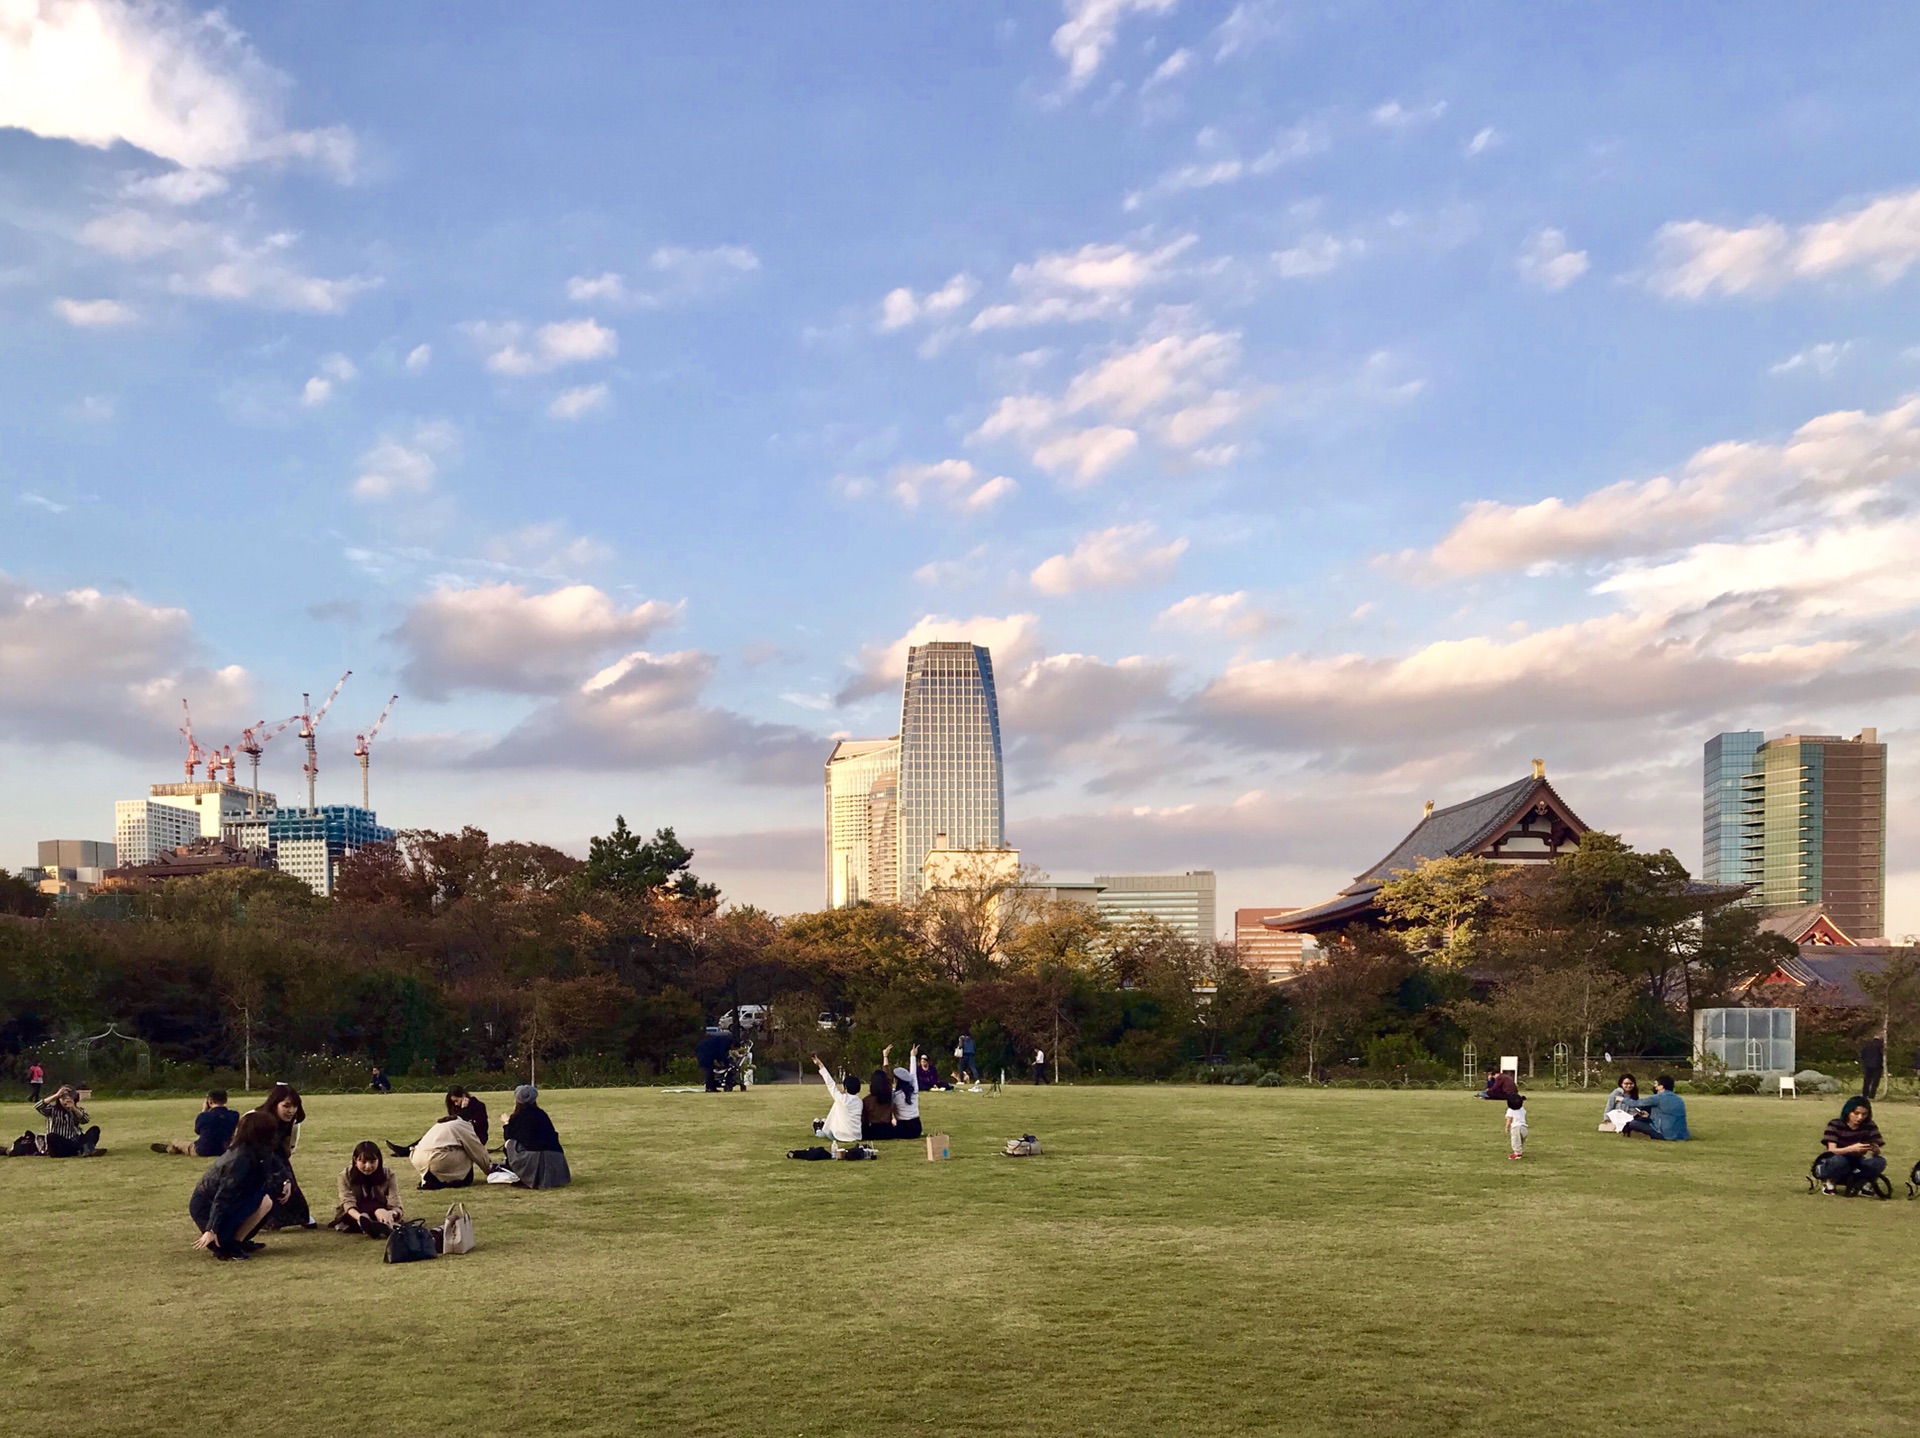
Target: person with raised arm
{"type": "Point", "coordinates": [842, 1123]}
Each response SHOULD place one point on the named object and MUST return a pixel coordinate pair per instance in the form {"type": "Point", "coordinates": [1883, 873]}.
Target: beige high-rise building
{"type": "Point", "coordinates": [862, 782]}
{"type": "Point", "coordinates": [1269, 952]}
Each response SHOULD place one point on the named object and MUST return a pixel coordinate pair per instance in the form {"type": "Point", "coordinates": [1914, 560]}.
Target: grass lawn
{"type": "Point", "coordinates": [1181, 1260]}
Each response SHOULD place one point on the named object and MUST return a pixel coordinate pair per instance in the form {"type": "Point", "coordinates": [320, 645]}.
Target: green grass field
{"type": "Point", "coordinates": [1181, 1260]}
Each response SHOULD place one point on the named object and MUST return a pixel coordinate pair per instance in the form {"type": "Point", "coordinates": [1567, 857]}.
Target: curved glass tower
{"type": "Point", "coordinates": [950, 775]}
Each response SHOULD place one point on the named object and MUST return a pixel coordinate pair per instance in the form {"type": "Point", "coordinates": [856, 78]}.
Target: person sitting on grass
{"type": "Point", "coordinates": [282, 1104]}
{"type": "Point", "coordinates": [381, 1083]}
{"type": "Point", "coordinates": [1663, 1113]}
{"type": "Point", "coordinates": [369, 1197]}
{"type": "Point", "coordinates": [1500, 1086]}
{"type": "Point", "coordinates": [925, 1075]}
{"type": "Point", "coordinates": [460, 1104]}
{"type": "Point", "coordinates": [65, 1136]}
{"type": "Point", "coordinates": [906, 1096]}
{"type": "Point", "coordinates": [1625, 1095]}
{"type": "Point", "coordinates": [239, 1189]}
{"type": "Point", "coordinates": [1852, 1145]}
{"type": "Point", "coordinates": [534, 1154]}
{"type": "Point", "coordinates": [843, 1121]}
{"type": "Point", "coordinates": [876, 1110]}
{"type": "Point", "coordinates": [447, 1155]}
{"type": "Point", "coordinates": [213, 1129]}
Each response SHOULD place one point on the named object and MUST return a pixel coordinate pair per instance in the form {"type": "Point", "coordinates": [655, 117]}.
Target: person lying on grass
{"type": "Point", "coordinates": [239, 1189]}
{"type": "Point", "coordinates": [842, 1123]}
{"type": "Point", "coordinates": [369, 1197]}
{"type": "Point", "coordinates": [213, 1129]}
{"type": "Point", "coordinates": [1852, 1145]}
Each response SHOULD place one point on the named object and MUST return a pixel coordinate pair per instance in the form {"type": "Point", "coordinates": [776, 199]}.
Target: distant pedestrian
{"type": "Point", "coordinates": [1039, 1066]}
{"type": "Point", "coordinates": [1516, 1125]}
{"type": "Point", "coordinates": [1873, 1064]}
{"type": "Point", "coordinates": [963, 1050]}
{"type": "Point", "coordinates": [36, 1076]}
{"type": "Point", "coordinates": [381, 1083]}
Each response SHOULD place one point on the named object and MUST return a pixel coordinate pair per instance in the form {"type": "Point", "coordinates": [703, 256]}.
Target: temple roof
{"type": "Point", "coordinates": [1830, 979]}
{"type": "Point", "coordinates": [1808, 924]}
{"type": "Point", "coordinates": [1449, 833]}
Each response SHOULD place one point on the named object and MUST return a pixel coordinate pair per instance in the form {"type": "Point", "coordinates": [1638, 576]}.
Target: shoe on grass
{"type": "Point", "coordinates": [160, 1148]}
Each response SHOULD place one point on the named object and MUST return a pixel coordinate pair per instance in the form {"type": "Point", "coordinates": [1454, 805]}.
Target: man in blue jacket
{"type": "Point", "coordinates": [1663, 1113]}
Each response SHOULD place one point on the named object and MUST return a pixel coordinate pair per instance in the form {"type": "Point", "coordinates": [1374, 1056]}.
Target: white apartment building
{"type": "Point", "coordinates": [144, 829]}
{"type": "Point", "coordinates": [862, 779]}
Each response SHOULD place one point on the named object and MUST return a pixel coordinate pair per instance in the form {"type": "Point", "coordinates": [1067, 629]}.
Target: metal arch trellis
{"type": "Point", "coordinates": [1562, 1063]}
{"type": "Point", "coordinates": [1470, 1064]}
{"type": "Point", "coordinates": [142, 1050]}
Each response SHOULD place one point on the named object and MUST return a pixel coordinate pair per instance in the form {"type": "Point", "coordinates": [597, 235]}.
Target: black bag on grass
{"type": "Point", "coordinates": [410, 1242]}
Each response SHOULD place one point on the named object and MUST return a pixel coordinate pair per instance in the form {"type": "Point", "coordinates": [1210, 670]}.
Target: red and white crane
{"type": "Point", "coordinates": [309, 721]}
{"type": "Point", "coordinates": [360, 751]}
{"type": "Point", "coordinates": [194, 752]}
{"type": "Point", "coordinates": [253, 742]}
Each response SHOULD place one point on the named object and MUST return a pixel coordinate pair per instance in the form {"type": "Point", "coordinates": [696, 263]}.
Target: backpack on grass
{"type": "Point", "coordinates": [410, 1242]}
{"type": "Point", "coordinates": [1026, 1146]}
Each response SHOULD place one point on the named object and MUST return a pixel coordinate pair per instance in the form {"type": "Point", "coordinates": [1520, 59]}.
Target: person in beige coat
{"type": "Point", "coordinates": [369, 1196]}
{"type": "Point", "coordinates": [448, 1153]}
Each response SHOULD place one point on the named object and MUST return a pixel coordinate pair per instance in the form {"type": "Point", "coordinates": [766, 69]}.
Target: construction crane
{"type": "Point", "coordinates": [360, 743]}
{"type": "Point", "coordinates": [194, 751]}
{"type": "Point", "coordinates": [218, 759]}
{"type": "Point", "coordinates": [309, 721]}
{"type": "Point", "coordinates": [253, 742]}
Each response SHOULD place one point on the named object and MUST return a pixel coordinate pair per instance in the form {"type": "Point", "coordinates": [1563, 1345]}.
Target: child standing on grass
{"type": "Point", "coordinates": [1516, 1125]}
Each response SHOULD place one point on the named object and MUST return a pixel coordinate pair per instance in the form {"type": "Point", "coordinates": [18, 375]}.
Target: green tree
{"type": "Point", "coordinates": [1440, 906]}
{"type": "Point", "coordinates": [623, 862]}
{"type": "Point", "coordinates": [1730, 950]}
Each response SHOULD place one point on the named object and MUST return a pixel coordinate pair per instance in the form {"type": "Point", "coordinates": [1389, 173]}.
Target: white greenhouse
{"type": "Point", "coordinates": [1745, 1040]}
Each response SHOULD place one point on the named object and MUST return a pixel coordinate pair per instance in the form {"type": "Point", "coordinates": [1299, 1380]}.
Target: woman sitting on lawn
{"type": "Point", "coordinates": [533, 1144]}
{"type": "Point", "coordinates": [1852, 1143]}
{"type": "Point", "coordinates": [876, 1109]}
{"type": "Point", "coordinates": [369, 1197]}
{"type": "Point", "coordinates": [239, 1188]}
{"type": "Point", "coordinates": [283, 1106]}
{"type": "Point", "coordinates": [925, 1075]}
{"type": "Point", "coordinates": [448, 1154]}
{"type": "Point", "coordinates": [906, 1098]}
{"type": "Point", "coordinates": [1625, 1095]}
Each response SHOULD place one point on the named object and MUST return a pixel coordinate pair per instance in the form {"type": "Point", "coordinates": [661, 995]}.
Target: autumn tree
{"type": "Point", "coordinates": [1439, 907]}
{"type": "Point", "coordinates": [1334, 998]}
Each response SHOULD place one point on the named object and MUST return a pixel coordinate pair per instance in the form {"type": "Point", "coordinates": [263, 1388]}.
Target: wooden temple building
{"type": "Point", "coordinates": [1525, 822]}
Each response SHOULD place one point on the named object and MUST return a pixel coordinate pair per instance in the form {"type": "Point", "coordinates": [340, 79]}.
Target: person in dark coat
{"type": "Point", "coordinates": [282, 1104]}
{"type": "Point", "coordinates": [239, 1188]}
{"type": "Point", "coordinates": [1873, 1065]}
{"type": "Point", "coordinates": [381, 1083]}
{"type": "Point", "coordinates": [714, 1054]}
{"type": "Point", "coordinates": [533, 1144]}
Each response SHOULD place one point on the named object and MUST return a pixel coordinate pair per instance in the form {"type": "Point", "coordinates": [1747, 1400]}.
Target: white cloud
{"type": "Point", "coordinates": [218, 263]}
{"type": "Point", "coordinates": [548, 549]}
{"type": "Point", "coordinates": [579, 402]}
{"type": "Point", "coordinates": [1174, 66]}
{"type": "Point", "coordinates": [500, 638]}
{"type": "Point", "coordinates": [677, 273]}
{"type": "Point", "coordinates": [902, 307]}
{"type": "Point", "coordinates": [1089, 32]}
{"type": "Point", "coordinates": [1013, 640]}
{"type": "Point", "coordinates": [1547, 264]}
{"type": "Point", "coordinates": [953, 482]}
{"type": "Point", "coordinates": [395, 469]}
{"type": "Point", "coordinates": [1083, 456]}
{"type": "Point", "coordinates": [1317, 254]}
{"type": "Point", "coordinates": [1843, 455]}
{"type": "Point", "coordinates": [183, 86]}
{"type": "Point", "coordinates": [1218, 166]}
{"type": "Point", "coordinates": [1483, 140]}
{"type": "Point", "coordinates": [1695, 258]}
{"type": "Point", "coordinates": [316, 392]}
{"type": "Point", "coordinates": [1234, 613]}
{"type": "Point", "coordinates": [1068, 698]}
{"type": "Point", "coordinates": [1395, 116]}
{"type": "Point", "coordinates": [1121, 557]}
{"type": "Point", "coordinates": [179, 187]}
{"type": "Point", "coordinates": [335, 369]}
{"type": "Point", "coordinates": [1821, 359]}
{"type": "Point", "coordinates": [1092, 282]}
{"type": "Point", "coordinates": [418, 358]}
{"type": "Point", "coordinates": [564, 342]}
{"type": "Point", "coordinates": [94, 314]}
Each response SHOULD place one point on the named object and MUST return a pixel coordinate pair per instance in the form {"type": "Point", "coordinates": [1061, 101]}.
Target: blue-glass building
{"type": "Point", "coordinates": [310, 843]}
{"type": "Point", "coordinates": [950, 772]}
{"type": "Point", "coordinates": [1729, 759]}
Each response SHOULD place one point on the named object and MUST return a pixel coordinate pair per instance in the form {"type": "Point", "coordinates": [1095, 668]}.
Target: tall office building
{"type": "Point", "coordinates": [310, 843]}
{"type": "Point", "coordinates": [863, 784]}
{"type": "Point", "coordinates": [1813, 825]}
{"type": "Point", "coordinates": [145, 829]}
{"type": "Point", "coordinates": [1184, 902]}
{"type": "Point", "coordinates": [1729, 759]}
{"type": "Point", "coordinates": [1272, 953]}
{"type": "Point", "coordinates": [215, 805]}
{"type": "Point", "coordinates": [950, 774]}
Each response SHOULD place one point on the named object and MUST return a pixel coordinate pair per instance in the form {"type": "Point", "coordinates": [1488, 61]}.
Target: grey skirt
{"type": "Point", "coordinates": [538, 1168]}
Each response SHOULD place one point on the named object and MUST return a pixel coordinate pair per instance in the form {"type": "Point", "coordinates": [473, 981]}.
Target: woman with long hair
{"type": "Point", "coordinates": [369, 1198]}
{"type": "Point", "coordinates": [282, 1104]}
{"type": "Point", "coordinates": [876, 1109]}
{"type": "Point", "coordinates": [533, 1144]}
{"type": "Point", "coordinates": [237, 1192]}
{"type": "Point", "coordinates": [906, 1096]}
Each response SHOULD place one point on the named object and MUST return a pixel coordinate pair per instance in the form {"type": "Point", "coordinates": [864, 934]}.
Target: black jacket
{"type": "Point", "coordinates": [474, 1113]}
{"type": "Point", "coordinates": [231, 1189]}
{"type": "Point", "coordinates": [532, 1130]}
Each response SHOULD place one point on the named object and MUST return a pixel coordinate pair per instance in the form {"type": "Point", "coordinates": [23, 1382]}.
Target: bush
{"type": "Point", "coordinates": [1403, 1057]}
{"type": "Point", "coordinates": [1237, 1074]}
{"type": "Point", "coordinates": [1271, 1079]}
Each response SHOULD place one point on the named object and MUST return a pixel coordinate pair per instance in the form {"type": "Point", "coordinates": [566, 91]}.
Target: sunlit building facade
{"type": "Point", "coordinates": [1814, 826]}
{"type": "Point", "coordinates": [1729, 759]}
{"type": "Point", "coordinates": [862, 781]}
{"type": "Point", "coordinates": [951, 780]}
{"type": "Point", "coordinates": [1183, 902]}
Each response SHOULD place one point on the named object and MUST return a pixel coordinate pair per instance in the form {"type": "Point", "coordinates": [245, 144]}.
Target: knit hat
{"type": "Point", "coordinates": [526, 1093]}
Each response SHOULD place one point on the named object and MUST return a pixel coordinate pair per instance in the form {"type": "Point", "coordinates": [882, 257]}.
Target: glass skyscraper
{"type": "Point", "coordinates": [1729, 760]}
{"type": "Point", "coordinates": [950, 772]}
{"type": "Point", "coordinates": [862, 785]}
{"type": "Point", "coordinates": [1812, 824]}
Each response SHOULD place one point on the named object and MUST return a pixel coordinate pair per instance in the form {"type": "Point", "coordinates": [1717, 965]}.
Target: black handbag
{"type": "Point", "coordinates": [410, 1242]}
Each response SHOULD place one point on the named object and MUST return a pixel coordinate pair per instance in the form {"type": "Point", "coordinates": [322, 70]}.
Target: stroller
{"type": "Point", "coordinates": [737, 1072]}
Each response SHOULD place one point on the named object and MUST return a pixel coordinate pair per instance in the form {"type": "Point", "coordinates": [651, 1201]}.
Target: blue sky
{"type": "Point", "coordinates": [1317, 408]}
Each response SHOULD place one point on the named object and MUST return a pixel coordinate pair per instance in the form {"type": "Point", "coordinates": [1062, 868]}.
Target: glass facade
{"type": "Point", "coordinates": [1745, 1040]}
{"type": "Point", "coordinates": [310, 843]}
{"type": "Point", "coordinates": [1183, 902]}
{"type": "Point", "coordinates": [1729, 758]}
{"type": "Point", "coordinates": [862, 775]}
{"type": "Point", "coordinates": [1813, 823]}
{"type": "Point", "coordinates": [950, 773]}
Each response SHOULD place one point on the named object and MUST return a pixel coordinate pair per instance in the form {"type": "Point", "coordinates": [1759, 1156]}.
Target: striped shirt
{"type": "Point", "coordinates": [1841, 1136]}
{"type": "Point", "coordinates": [66, 1122]}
